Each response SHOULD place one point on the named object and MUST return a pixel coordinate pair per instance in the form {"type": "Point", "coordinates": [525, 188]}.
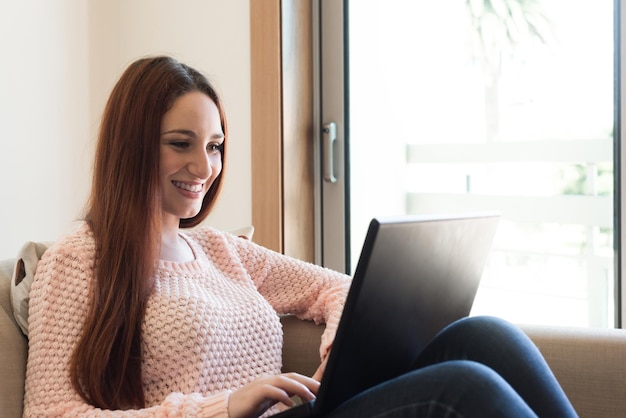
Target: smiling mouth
{"type": "Point", "coordinates": [195, 188]}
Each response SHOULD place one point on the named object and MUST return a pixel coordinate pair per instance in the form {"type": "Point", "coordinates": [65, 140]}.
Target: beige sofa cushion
{"type": "Point", "coordinates": [590, 364]}
{"type": "Point", "coordinates": [22, 280]}
{"type": "Point", "coordinates": [301, 344]}
{"type": "Point", "coordinates": [13, 346]}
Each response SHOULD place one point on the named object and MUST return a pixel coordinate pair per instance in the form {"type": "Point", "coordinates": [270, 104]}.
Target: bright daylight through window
{"type": "Point", "coordinates": [504, 105]}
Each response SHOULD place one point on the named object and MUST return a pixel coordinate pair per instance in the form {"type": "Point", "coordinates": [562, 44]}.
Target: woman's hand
{"type": "Point", "coordinates": [259, 395]}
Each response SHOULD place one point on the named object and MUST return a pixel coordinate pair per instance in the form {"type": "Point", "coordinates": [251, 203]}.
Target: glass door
{"type": "Point", "coordinates": [457, 106]}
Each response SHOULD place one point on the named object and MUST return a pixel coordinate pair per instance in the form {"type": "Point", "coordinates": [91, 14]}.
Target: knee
{"type": "Point", "coordinates": [487, 340]}
{"type": "Point", "coordinates": [481, 322]}
{"type": "Point", "coordinates": [487, 326]}
{"type": "Point", "coordinates": [468, 370]}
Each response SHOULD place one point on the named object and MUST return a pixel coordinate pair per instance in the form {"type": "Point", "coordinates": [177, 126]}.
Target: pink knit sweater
{"type": "Point", "coordinates": [211, 324]}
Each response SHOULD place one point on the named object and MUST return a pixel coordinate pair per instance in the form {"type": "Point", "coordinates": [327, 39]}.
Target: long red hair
{"type": "Point", "coordinates": [124, 213]}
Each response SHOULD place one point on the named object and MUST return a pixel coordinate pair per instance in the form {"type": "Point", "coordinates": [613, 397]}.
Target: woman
{"type": "Point", "coordinates": [131, 316]}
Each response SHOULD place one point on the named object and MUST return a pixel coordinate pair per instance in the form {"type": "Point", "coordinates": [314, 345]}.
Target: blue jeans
{"type": "Point", "coordinates": [475, 367]}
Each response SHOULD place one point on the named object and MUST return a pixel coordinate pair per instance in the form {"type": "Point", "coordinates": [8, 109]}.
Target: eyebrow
{"type": "Point", "coordinates": [190, 133]}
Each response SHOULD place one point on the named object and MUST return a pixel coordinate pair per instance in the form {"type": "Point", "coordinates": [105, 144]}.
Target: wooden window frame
{"type": "Point", "coordinates": [282, 138]}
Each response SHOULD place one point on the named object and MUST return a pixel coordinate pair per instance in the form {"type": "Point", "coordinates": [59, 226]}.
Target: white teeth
{"type": "Point", "coordinates": [189, 187]}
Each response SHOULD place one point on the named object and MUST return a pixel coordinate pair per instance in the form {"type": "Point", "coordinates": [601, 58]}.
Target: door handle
{"type": "Point", "coordinates": [329, 132]}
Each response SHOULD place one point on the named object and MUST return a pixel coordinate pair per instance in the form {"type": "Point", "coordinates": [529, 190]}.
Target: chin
{"type": "Point", "coordinates": [191, 214]}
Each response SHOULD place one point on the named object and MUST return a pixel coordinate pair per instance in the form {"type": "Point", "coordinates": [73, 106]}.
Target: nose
{"type": "Point", "coordinates": [200, 165]}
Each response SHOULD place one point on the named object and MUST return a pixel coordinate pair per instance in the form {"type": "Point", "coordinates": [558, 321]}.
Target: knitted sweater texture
{"type": "Point", "coordinates": [211, 324]}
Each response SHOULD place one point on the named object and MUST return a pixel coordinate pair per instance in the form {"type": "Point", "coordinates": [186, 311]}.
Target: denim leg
{"type": "Point", "coordinates": [454, 389]}
{"type": "Point", "coordinates": [505, 349]}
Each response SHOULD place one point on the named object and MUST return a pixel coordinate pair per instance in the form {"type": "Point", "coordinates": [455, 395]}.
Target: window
{"type": "Point", "coordinates": [472, 105]}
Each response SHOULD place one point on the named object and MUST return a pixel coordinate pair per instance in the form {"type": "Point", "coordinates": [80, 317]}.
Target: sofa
{"type": "Point", "coordinates": [589, 363]}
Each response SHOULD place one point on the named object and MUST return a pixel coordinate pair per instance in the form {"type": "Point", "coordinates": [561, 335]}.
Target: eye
{"type": "Point", "coordinates": [180, 144]}
{"type": "Point", "coordinates": [214, 147]}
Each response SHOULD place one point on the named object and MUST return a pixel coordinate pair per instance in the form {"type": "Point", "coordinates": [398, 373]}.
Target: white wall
{"type": "Point", "coordinates": [60, 60]}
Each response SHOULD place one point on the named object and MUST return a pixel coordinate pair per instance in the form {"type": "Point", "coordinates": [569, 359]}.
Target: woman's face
{"type": "Point", "coordinates": [191, 155]}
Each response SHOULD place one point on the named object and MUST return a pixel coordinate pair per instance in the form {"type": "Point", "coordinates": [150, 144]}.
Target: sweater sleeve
{"type": "Point", "coordinates": [293, 286]}
{"type": "Point", "coordinates": [59, 302]}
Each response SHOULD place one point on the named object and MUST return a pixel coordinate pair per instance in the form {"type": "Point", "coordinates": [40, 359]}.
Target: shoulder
{"type": "Point", "coordinates": [76, 247]}
{"type": "Point", "coordinates": [70, 261]}
{"type": "Point", "coordinates": [62, 279]}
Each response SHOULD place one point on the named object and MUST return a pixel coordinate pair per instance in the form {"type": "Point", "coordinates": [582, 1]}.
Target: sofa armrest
{"type": "Point", "coordinates": [590, 365]}
{"type": "Point", "coordinates": [301, 345]}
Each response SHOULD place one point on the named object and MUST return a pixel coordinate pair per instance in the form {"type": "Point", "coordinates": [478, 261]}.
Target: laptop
{"type": "Point", "coordinates": [415, 275]}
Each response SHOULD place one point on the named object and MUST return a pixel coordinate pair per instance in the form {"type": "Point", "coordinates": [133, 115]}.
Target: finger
{"type": "Point", "coordinates": [296, 384]}
{"type": "Point", "coordinates": [276, 394]}
{"type": "Point", "coordinates": [310, 383]}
